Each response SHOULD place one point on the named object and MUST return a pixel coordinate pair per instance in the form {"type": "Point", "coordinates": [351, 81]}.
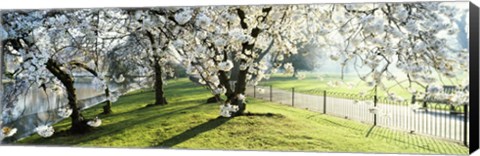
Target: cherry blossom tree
{"type": "Point", "coordinates": [224, 44]}
{"type": "Point", "coordinates": [409, 36]}
{"type": "Point", "coordinates": [5, 130]}
{"type": "Point", "coordinates": [379, 37]}
{"type": "Point", "coordinates": [148, 28]}
{"type": "Point", "coordinates": [220, 44]}
{"type": "Point", "coordinates": [110, 33]}
{"type": "Point", "coordinates": [51, 43]}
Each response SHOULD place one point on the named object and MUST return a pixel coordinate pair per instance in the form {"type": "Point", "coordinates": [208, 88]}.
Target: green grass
{"type": "Point", "coordinates": [187, 122]}
{"type": "Point", "coordinates": [314, 85]}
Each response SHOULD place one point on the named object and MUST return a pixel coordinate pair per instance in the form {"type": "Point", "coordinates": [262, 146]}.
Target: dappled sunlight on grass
{"type": "Point", "coordinates": [188, 123]}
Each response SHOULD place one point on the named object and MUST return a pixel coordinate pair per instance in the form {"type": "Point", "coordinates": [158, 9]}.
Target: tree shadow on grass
{"type": "Point", "coordinates": [141, 107]}
{"type": "Point", "coordinates": [402, 138]}
{"type": "Point", "coordinates": [140, 92]}
{"type": "Point", "coordinates": [443, 115]}
{"type": "Point", "coordinates": [207, 126]}
{"type": "Point", "coordinates": [108, 129]}
{"type": "Point", "coordinates": [347, 126]}
{"type": "Point", "coordinates": [420, 142]}
{"type": "Point", "coordinates": [192, 132]}
{"type": "Point", "coordinates": [369, 131]}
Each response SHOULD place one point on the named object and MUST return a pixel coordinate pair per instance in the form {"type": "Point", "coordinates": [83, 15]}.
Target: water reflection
{"type": "Point", "coordinates": [38, 107]}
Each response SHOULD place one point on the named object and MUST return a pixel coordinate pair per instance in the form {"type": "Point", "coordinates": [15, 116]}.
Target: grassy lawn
{"type": "Point", "coordinates": [312, 84]}
{"type": "Point", "coordinates": [187, 122]}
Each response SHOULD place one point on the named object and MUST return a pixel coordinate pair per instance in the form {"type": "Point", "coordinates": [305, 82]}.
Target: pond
{"type": "Point", "coordinates": [38, 107]}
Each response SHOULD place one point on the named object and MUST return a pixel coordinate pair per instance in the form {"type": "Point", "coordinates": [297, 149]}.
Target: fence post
{"type": "Point", "coordinates": [271, 94]}
{"type": "Point", "coordinates": [324, 101]}
{"type": "Point", "coordinates": [254, 91]}
{"type": "Point", "coordinates": [424, 104]}
{"type": "Point", "coordinates": [375, 105]}
{"type": "Point", "coordinates": [293, 97]}
{"type": "Point", "coordinates": [465, 124]}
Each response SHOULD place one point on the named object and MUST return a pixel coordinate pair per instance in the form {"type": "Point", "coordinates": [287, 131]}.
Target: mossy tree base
{"type": "Point", "coordinates": [107, 110]}
{"type": "Point", "coordinates": [80, 128]}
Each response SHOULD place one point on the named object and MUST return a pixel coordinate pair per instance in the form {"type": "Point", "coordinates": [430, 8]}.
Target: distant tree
{"type": "Point", "coordinates": [308, 58]}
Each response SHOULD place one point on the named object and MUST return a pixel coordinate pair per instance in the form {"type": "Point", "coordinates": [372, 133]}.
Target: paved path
{"type": "Point", "coordinates": [395, 116]}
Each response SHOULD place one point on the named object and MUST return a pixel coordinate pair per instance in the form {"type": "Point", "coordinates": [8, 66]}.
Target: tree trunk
{"type": "Point", "coordinates": [225, 81]}
{"type": "Point", "coordinates": [232, 93]}
{"type": "Point", "coordinates": [79, 125]}
{"type": "Point", "coordinates": [235, 70]}
{"type": "Point", "coordinates": [107, 109]}
{"type": "Point", "coordinates": [240, 89]}
{"type": "Point", "coordinates": [1, 83]}
{"type": "Point", "coordinates": [295, 72]}
{"type": "Point", "coordinates": [159, 94]}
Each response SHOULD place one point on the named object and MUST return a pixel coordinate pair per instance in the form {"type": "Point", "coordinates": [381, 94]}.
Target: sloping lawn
{"type": "Point", "coordinates": [187, 122]}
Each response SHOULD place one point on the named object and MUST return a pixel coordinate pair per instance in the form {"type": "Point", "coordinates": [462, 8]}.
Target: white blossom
{"type": "Point", "coordinates": [3, 34]}
{"type": "Point", "coordinates": [178, 43]}
{"type": "Point", "coordinates": [288, 68]}
{"type": "Point", "coordinates": [301, 76]}
{"type": "Point", "coordinates": [219, 91]}
{"type": "Point", "coordinates": [274, 70]}
{"type": "Point", "coordinates": [98, 83]}
{"type": "Point", "coordinates": [402, 13]}
{"type": "Point", "coordinates": [240, 97]}
{"type": "Point", "coordinates": [45, 131]}
{"type": "Point", "coordinates": [412, 27]}
{"type": "Point", "coordinates": [119, 79]}
{"type": "Point", "coordinates": [280, 57]}
{"type": "Point", "coordinates": [251, 70]}
{"type": "Point", "coordinates": [201, 81]}
{"type": "Point", "coordinates": [238, 35]}
{"type": "Point", "coordinates": [434, 88]}
{"type": "Point", "coordinates": [366, 18]}
{"type": "Point", "coordinates": [225, 66]}
{"type": "Point", "coordinates": [203, 21]}
{"type": "Point", "coordinates": [219, 58]}
{"type": "Point", "coordinates": [243, 66]}
{"type": "Point", "coordinates": [184, 16]}
{"type": "Point", "coordinates": [95, 122]}
{"type": "Point", "coordinates": [138, 14]}
{"type": "Point", "coordinates": [227, 109]}
{"type": "Point", "coordinates": [214, 80]}
{"type": "Point", "coordinates": [112, 98]}
{"type": "Point", "coordinates": [220, 42]}
{"type": "Point", "coordinates": [248, 76]}
{"type": "Point", "coordinates": [8, 132]}
{"type": "Point", "coordinates": [64, 112]}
